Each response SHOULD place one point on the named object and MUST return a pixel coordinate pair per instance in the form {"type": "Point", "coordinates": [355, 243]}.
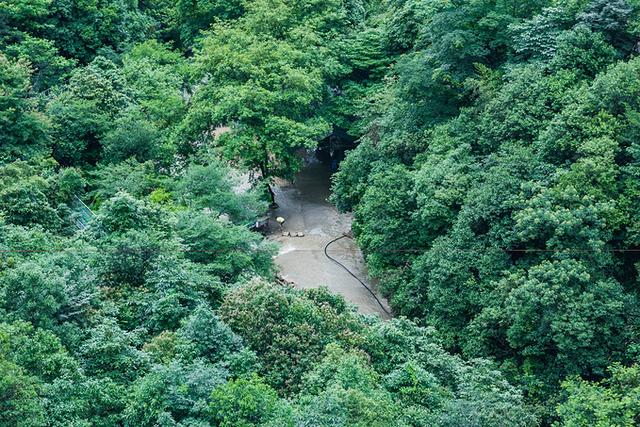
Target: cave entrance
{"type": "Point", "coordinates": [332, 150]}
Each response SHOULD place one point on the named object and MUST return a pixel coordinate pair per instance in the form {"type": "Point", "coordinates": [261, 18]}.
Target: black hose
{"type": "Point", "coordinates": [349, 271]}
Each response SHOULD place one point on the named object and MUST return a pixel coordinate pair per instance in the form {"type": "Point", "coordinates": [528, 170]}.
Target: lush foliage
{"type": "Point", "coordinates": [494, 188]}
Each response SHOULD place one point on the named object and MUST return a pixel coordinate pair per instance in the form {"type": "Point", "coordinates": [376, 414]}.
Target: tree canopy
{"type": "Point", "coordinates": [494, 187]}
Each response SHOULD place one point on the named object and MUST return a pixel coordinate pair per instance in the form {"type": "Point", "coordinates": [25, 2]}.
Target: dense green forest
{"type": "Point", "coordinates": [495, 190]}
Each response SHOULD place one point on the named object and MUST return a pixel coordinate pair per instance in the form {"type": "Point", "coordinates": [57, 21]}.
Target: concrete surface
{"type": "Point", "coordinates": [301, 260]}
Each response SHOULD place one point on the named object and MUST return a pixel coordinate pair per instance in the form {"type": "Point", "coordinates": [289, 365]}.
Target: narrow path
{"type": "Point", "coordinates": [301, 260]}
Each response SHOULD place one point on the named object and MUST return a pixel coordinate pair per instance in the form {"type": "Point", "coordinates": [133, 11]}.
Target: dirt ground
{"type": "Point", "coordinates": [301, 260]}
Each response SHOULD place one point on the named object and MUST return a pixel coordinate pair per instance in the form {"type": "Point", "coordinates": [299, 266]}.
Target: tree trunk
{"type": "Point", "coordinates": [272, 195]}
